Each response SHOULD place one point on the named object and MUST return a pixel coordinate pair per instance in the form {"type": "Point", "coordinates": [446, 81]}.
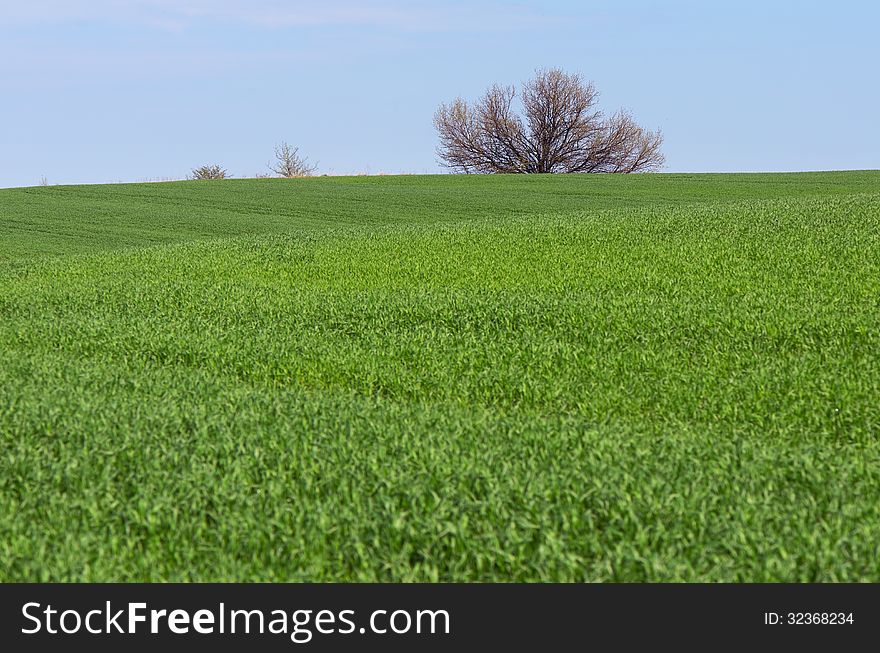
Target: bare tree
{"type": "Point", "coordinates": [289, 163]}
{"type": "Point", "coordinates": [560, 130]}
{"type": "Point", "coordinates": [209, 172]}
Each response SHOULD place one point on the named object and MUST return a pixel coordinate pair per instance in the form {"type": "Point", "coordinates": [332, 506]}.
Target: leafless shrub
{"type": "Point", "coordinates": [209, 172]}
{"type": "Point", "coordinates": [289, 163]}
{"type": "Point", "coordinates": [44, 181]}
{"type": "Point", "coordinates": [560, 130]}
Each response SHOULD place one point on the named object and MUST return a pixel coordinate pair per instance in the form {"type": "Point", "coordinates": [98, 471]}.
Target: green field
{"type": "Point", "coordinates": [453, 378]}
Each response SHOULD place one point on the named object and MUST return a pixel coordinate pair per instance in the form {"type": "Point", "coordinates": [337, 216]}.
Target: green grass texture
{"type": "Point", "coordinates": [442, 378]}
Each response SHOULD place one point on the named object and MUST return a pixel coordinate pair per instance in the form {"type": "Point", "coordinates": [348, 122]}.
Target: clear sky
{"type": "Point", "coordinates": [108, 90]}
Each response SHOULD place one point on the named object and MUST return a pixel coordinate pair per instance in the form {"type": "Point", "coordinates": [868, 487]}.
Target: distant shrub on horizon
{"type": "Point", "coordinates": [209, 172]}
{"type": "Point", "coordinates": [289, 163]}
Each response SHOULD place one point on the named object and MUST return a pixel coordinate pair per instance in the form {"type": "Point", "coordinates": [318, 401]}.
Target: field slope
{"type": "Point", "coordinates": [587, 378]}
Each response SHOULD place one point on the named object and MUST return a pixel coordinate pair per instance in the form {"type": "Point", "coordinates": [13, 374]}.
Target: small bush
{"type": "Point", "coordinates": [209, 172]}
{"type": "Point", "coordinates": [289, 163]}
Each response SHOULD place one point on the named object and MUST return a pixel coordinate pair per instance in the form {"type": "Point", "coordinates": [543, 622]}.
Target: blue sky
{"type": "Point", "coordinates": [107, 90]}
